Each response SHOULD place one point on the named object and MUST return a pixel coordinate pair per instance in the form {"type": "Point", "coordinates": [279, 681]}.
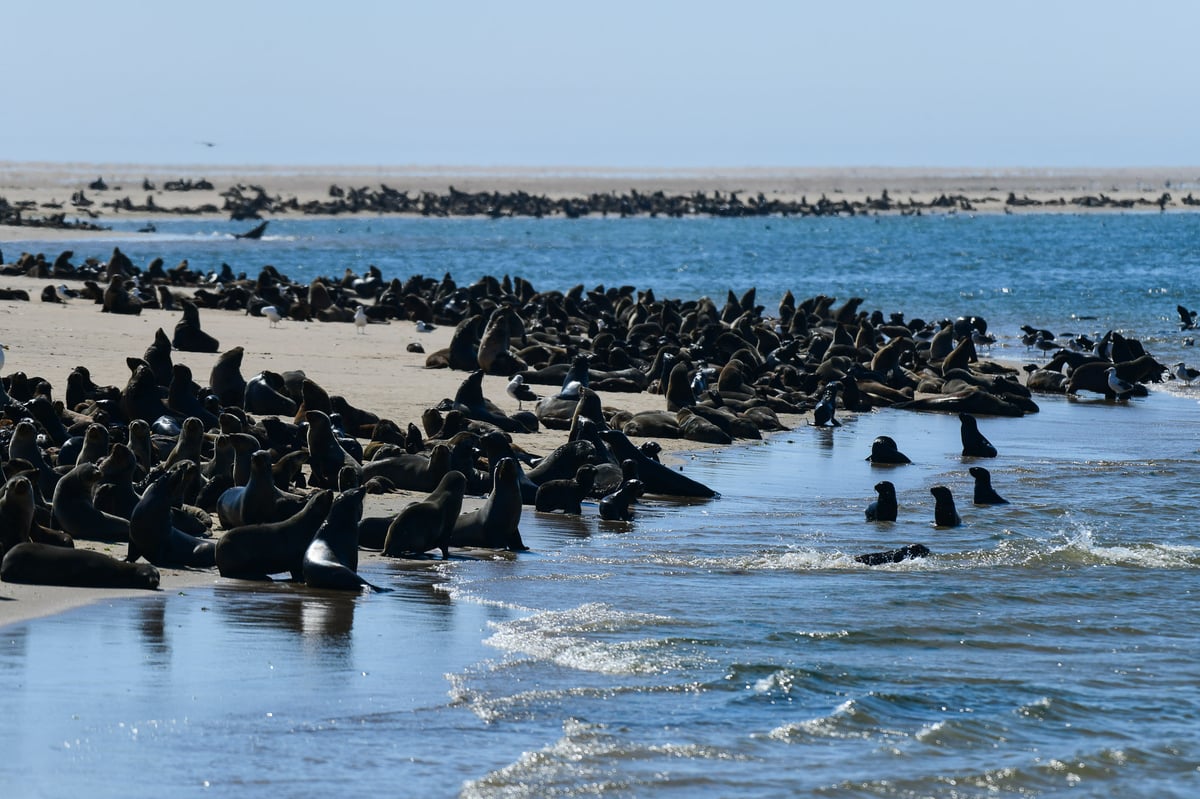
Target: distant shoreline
{"type": "Point", "coordinates": [41, 199]}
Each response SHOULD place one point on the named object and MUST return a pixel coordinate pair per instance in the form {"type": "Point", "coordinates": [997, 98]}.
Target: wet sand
{"type": "Point", "coordinates": [374, 371]}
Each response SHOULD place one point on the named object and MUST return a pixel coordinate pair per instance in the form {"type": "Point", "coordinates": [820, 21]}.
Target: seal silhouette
{"type": "Point", "coordinates": [944, 512]}
{"type": "Point", "coordinates": [883, 509]}
{"type": "Point", "coordinates": [427, 524]}
{"type": "Point", "coordinates": [984, 493]}
{"type": "Point", "coordinates": [974, 443]}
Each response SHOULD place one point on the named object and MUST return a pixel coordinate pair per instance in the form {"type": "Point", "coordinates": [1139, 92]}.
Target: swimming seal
{"type": "Point", "coordinates": [894, 555]}
{"type": "Point", "coordinates": [975, 445]}
{"type": "Point", "coordinates": [495, 524]}
{"type": "Point", "coordinates": [883, 509]}
{"type": "Point", "coordinates": [42, 564]}
{"type": "Point", "coordinates": [254, 551]}
{"type": "Point", "coordinates": [984, 493]}
{"type": "Point", "coordinates": [944, 512]}
{"type": "Point", "coordinates": [884, 450]}
{"type": "Point", "coordinates": [152, 533]}
{"type": "Point", "coordinates": [427, 524]}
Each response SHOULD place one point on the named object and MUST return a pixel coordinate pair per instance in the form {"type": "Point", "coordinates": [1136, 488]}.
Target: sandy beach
{"type": "Point", "coordinates": [45, 189]}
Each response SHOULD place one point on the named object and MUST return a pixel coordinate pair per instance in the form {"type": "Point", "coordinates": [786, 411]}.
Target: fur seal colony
{"type": "Point", "coordinates": [269, 475]}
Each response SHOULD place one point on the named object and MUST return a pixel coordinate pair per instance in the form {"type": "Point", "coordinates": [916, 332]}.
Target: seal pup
{"type": "Point", "coordinates": [42, 564]}
{"type": "Point", "coordinates": [618, 506]}
{"type": "Point", "coordinates": [984, 493]}
{"type": "Point", "coordinates": [566, 495]}
{"type": "Point", "coordinates": [427, 524]}
{"type": "Point", "coordinates": [824, 410]}
{"type": "Point", "coordinates": [331, 559]}
{"type": "Point", "coordinates": [884, 508]}
{"type": "Point", "coordinates": [974, 443]}
{"type": "Point", "coordinates": [255, 551]}
{"type": "Point", "coordinates": [153, 535]}
{"type": "Point", "coordinates": [495, 525]}
{"type": "Point", "coordinates": [907, 552]}
{"type": "Point", "coordinates": [884, 450]}
{"type": "Point", "coordinates": [944, 512]}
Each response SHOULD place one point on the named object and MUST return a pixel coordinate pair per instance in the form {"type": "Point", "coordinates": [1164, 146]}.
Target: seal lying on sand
{"type": "Point", "coordinates": [254, 551]}
{"type": "Point", "coordinates": [42, 564]}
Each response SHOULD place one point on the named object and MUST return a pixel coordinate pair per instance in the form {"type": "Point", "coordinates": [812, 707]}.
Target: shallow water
{"type": "Point", "coordinates": [729, 647]}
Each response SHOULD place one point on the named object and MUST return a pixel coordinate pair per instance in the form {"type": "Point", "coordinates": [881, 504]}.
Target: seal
{"type": "Point", "coordinates": [255, 551]}
{"type": "Point", "coordinates": [152, 533]}
{"type": "Point", "coordinates": [331, 559]}
{"type": "Point", "coordinates": [427, 524]}
{"type": "Point", "coordinates": [495, 524]}
{"type": "Point", "coordinates": [188, 335]}
{"type": "Point", "coordinates": [42, 564]}
{"type": "Point", "coordinates": [326, 456]}
{"type": "Point", "coordinates": [118, 300]}
{"type": "Point", "coordinates": [226, 379]}
{"type": "Point", "coordinates": [72, 507]}
{"type": "Point", "coordinates": [975, 445]}
{"type": "Point", "coordinates": [16, 512]}
{"type": "Point", "coordinates": [265, 393]}
{"type": "Point", "coordinates": [883, 509]}
{"type": "Point", "coordinates": [141, 398]}
{"type": "Point", "coordinates": [908, 552]}
{"type": "Point", "coordinates": [259, 500]}
{"type": "Point", "coordinates": [566, 495]}
{"type": "Point", "coordinates": [158, 357]}
{"type": "Point", "coordinates": [656, 478]}
{"type": "Point", "coordinates": [411, 472]}
{"type": "Point", "coordinates": [984, 493]}
{"type": "Point", "coordinates": [944, 512]}
{"type": "Point", "coordinates": [884, 450]}
{"type": "Point", "coordinates": [824, 410]}
{"type": "Point", "coordinates": [618, 506]}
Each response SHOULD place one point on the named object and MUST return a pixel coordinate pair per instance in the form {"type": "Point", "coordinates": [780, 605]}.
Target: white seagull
{"type": "Point", "coordinates": [272, 313]}
{"type": "Point", "coordinates": [1184, 373]}
{"type": "Point", "coordinates": [425, 327]}
{"type": "Point", "coordinates": [520, 392]}
{"type": "Point", "coordinates": [360, 319]}
{"type": "Point", "coordinates": [3, 347]}
{"type": "Point", "coordinates": [1122, 388]}
{"type": "Point", "coordinates": [63, 293]}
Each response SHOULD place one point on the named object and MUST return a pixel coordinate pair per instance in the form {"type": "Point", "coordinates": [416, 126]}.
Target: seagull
{"type": "Point", "coordinates": [360, 319]}
{"type": "Point", "coordinates": [272, 313]}
{"type": "Point", "coordinates": [3, 347]}
{"type": "Point", "coordinates": [981, 339]}
{"type": "Point", "coordinates": [1187, 318]}
{"type": "Point", "coordinates": [425, 327]}
{"type": "Point", "coordinates": [1122, 388]}
{"type": "Point", "coordinates": [63, 293]}
{"type": "Point", "coordinates": [1184, 373]}
{"type": "Point", "coordinates": [520, 392]}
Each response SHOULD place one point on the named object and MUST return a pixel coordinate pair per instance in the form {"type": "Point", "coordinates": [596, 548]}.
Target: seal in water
{"type": "Point", "coordinates": [884, 450]}
{"type": "Point", "coordinates": [254, 551]}
{"type": "Point", "coordinates": [894, 555]}
{"type": "Point", "coordinates": [566, 495]}
{"type": "Point", "coordinates": [331, 559]}
{"type": "Point", "coordinates": [618, 506]}
{"type": "Point", "coordinates": [656, 478]}
{"type": "Point", "coordinates": [883, 509]}
{"type": "Point", "coordinates": [944, 513]}
{"type": "Point", "coordinates": [984, 493]}
{"type": "Point", "coordinates": [42, 564]}
{"type": "Point", "coordinates": [427, 524]}
{"type": "Point", "coordinates": [495, 524]}
{"type": "Point", "coordinates": [975, 445]}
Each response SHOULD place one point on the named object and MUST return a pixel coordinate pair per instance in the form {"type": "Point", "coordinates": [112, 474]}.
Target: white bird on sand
{"type": "Point", "coordinates": [272, 313]}
{"type": "Point", "coordinates": [360, 319]}
{"type": "Point", "coordinates": [3, 347]}
{"type": "Point", "coordinates": [520, 392]}
{"type": "Point", "coordinates": [1122, 388]}
{"type": "Point", "coordinates": [63, 293]}
{"type": "Point", "coordinates": [1184, 373]}
{"type": "Point", "coordinates": [425, 327]}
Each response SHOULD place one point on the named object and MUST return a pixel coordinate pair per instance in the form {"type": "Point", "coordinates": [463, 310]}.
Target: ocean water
{"type": "Point", "coordinates": [730, 647]}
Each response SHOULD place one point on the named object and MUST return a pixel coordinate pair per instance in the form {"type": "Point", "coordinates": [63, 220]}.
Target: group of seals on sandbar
{"type": "Point", "coordinates": [179, 451]}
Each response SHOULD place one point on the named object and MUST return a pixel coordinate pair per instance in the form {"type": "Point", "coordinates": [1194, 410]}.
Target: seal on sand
{"type": "Point", "coordinates": [188, 335]}
{"type": "Point", "coordinates": [944, 512]}
{"type": "Point", "coordinates": [495, 524]}
{"type": "Point", "coordinates": [656, 478]}
{"type": "Point", "coordinates": [975, 444]}
{"type": "Point", "coordinates": [883, 509]}
{"type": "Point", "coordinates": [254, 551]}
{"type": "Point", "coordinates": [331, 559]}
{"type": "Point", "coordinates": [326, 456]}
{"type": "Point", "coordinates": [894, 555]}
{"type": "Point", "coordinates": [984, 493]}
{"type": "Point", "coordinates": [42, 564]}
{"type": "Point", "coordinates": [152, 533]}
{"type": "Point", "coordinates": [618, 506]}
{"type": "Point", "coordinates": [427, 524]}
{"type": "Point", "coordinates": [566, 495]}
{"type": "Point", "coordinates": [73, 508]}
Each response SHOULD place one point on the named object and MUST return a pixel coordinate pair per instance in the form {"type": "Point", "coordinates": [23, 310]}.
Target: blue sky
{"type": "Point", "coordinates": [618, 84]}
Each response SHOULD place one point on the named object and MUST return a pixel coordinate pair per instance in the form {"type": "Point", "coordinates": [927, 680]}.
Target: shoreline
{"type": "Point", "coordinates": [41, 191]}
